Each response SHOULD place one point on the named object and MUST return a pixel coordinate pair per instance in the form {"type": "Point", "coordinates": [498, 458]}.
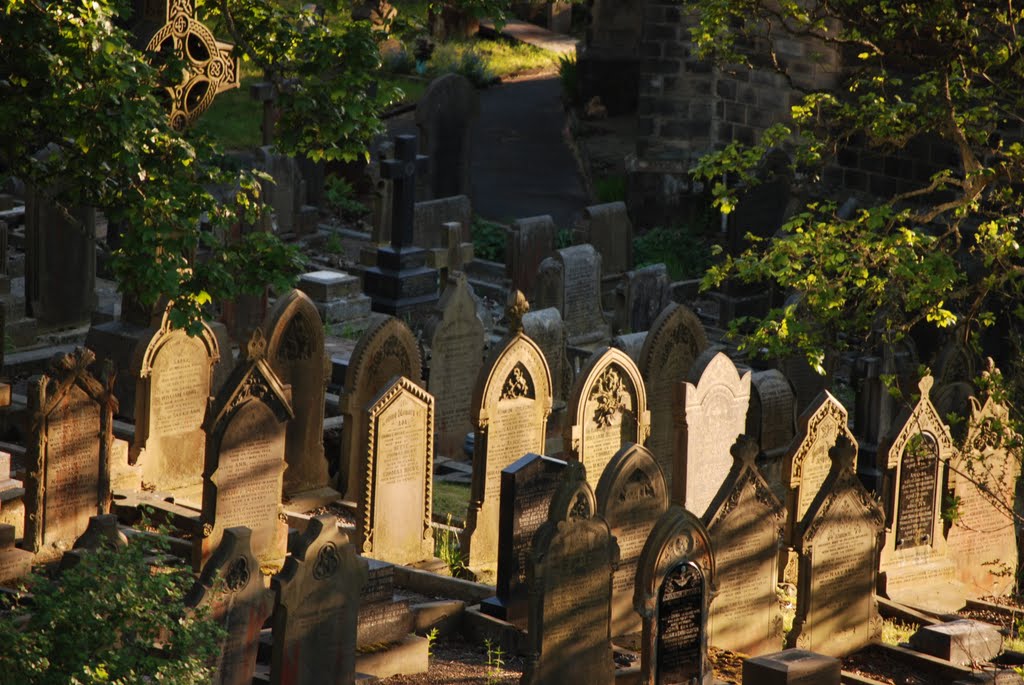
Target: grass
{"type": "Point", "coordinates": [501, 58]}
{"type": "Point", "coordinates": [451, 499]}
{"type": "Point", "coordinates": [234, 119]}
{"type": "Point", "coordinates": [895, 632]}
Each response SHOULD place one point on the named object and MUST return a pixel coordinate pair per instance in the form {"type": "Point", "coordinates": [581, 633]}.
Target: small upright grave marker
{"type": "Point", "coordinates": [571, 282]}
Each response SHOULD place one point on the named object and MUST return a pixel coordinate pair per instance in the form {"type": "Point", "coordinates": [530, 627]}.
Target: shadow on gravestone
{"type": "Point", "coordinates": [444, 116]}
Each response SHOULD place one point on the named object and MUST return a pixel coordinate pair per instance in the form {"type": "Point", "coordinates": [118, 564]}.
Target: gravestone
{"type": "Point", "coordinates": [529, 242]}
{"type": "Point", "coordinates": [914, 566]}
{"type": "Point", "coordinates": [511, 404]}
{"type": "Point", "coordinates": [673, 343]}
{"type": "Point", "coordinates": [295, 351]}
{"type": "Point", "coordinates": [607, 407]}
{"type": "Point", "coordinates": [793, 667]}
{"type": "Point", "coordinates": [232, 587]}
{"type": "Point", "coordinates": [444, 116]}
{"type": "Point", "coordinates": [640, 297]}
{"type": "Point", "coordinates": [806, 381]}
{"type": "Point", "coordinates": [394, 502]}
{"type": "Point", "coordinates": [456, 356]}
{"type": "Point", "coordinates": [607, 227]}
{"type": "Point", "coordinates": [15, 563]}
{"type": "Point", "coordinates": [338, 298]}
{"type": "Point", "coordinates": [527, 488]}
{"type": "Point", "coordinates": [430, 217]}
{"type": "Point", "coordinates": [771, 418]}
{"type": "Point", "coordinates": [316, 606]}
{"type": "Point", "coordinates": [984, 476]}
{"type": "Point", "coordinates": [545, 327]}
{"type": "Point", "coordinates": [68, 455]}
{"type": "Point", "coordinates": [711, 412]}
{"type": "Point", "coordinates": [807, 462]}
{"type": "Point", "coordinates": [631, 497]}
{"type": "Point", "coordinates": [631, 344]}
{"type": "Point", "coordinates": [286, 193]}
{"type": "Point", "coordinates": [12, 497]}
{"type": "Point", "coordinates": [745, 522]}
{"type": "Point", "coordinates": [674, 584]}
{"type": "Point", "coordinates": [383, 618]}
{"type": "Point", "coordinates": [836, 610]}
{"type": "Point", "coordinates": [244, 469]}
{"type": "Point", "coordinates": [570, 579]}
{"type": "Point", "coordinates": [571, 282]}
{"type": "Point", "coordinates": [454, 255]}
{"type": "Point", "coordinates": [174, 377]}
{"type": "Point", "coordinates": [385, 350]}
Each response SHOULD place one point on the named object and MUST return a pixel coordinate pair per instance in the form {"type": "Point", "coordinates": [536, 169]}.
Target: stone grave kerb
{"type": "Point", "coordinates": [605, 378]}
{"type": "Point", "coordinates": [46, 393]}
{"type": "Point", "coordinates": [678, 537]}
{"type": "Point", "coordinates": [821, 423]}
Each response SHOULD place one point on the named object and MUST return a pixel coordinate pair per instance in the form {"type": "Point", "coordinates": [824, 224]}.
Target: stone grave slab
{"type": "Point", "coordinates": [245, 450]}
{"type": "Point", "coordinates": [792, 667]}
{"type": "Point", "coordinates": [962, 642]}
{"type": "Point", "coordinates": [673, 343]}
{"type": "Point", "coordinates": [711, 412]}
{"type": "Point", "coordinates": [745, 522]}
{"type": "Point", "coordinates": [385, 350]}
{"type": "Point", "coordinates": [444, 116]}
{"type": "Point", "coordinates": [571, 282]}
{"type": "Point", "coordinates": [316, 609]}
{"type": "Point", "coordinates": [674, 584]}
{"type": "Point", "coordinates": [607, 407]}
{"type": "Point", "coordinates": [511, 404]}
{"type": "Point", "coordinates": [530, 241]}
{"type": "Point", "coordinates": [527, 488]}
{"type": "Point", "coordinates": [837, 540]}
{"type": "Point", "coordinates": [570, 576]}
{"type": "Point", "coordinates": [631, 496]}
{"type": "Point", "coordinates": [394, 503]}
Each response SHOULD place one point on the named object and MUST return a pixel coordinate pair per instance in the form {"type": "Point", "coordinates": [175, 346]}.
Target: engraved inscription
{"type": "Point", "coordinates": [918, 478]}
{"type": "Point", "coordinates": [400, 449]}
{"type": "Point", "coordinates": [72, 466]}
{"type": "Point", "coordinates": [181, 385]}
{"type": "Point", "coordinates": [816, 464]}
{"type": "Point", "coordinates": [680, 621]}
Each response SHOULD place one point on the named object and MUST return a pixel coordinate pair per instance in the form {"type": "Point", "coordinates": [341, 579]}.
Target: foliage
{"type": "Point", "coordinates": [340, 198]}
{"type": "Point", "coordinates": [463, 59]}
{"type": "Point", "coordinates": [447, 548]}
{"type": "Point", "coordinates": [894, 631]}
{"type": "Point", "coordinates": [568, 74]}
{"type": "Point", "coordinates": [488, 239]}
{"type": "Point", "coordinates": [495, 661]}
{"type": "Point", "coordinates": [940, 251]}
{"type": "Point", "coordinates": [113, 619]}
{"type": "Point", "coordinates": [610, 188]}
{"type": "Point", "coordinates": [683, 250]}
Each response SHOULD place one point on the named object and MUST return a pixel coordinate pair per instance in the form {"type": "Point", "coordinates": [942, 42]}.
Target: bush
{"type": "Point", "coordinates": [488, 240]}
{"type": "Point", "coordinates": [685, 253]}
{"type": "Point", "coordinates": [340, 198]}
{"type": "Point", "coordinates": [461, 59]}
{"type": "Point", "coordinates": [567, 73]}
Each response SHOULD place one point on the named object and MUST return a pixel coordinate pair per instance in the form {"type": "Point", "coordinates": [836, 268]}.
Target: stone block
{"type": "Point", "coordinates": [324, 286]}
{"type": "Point", "coordinates": [407, 657]}
{"type": "Point", "coordinates": [444, 615]}
{"type": "Point", "coordinates": [961, 642]}
{"type": "Point", "coordinates": [792, 667]}
{"type": "Point", "coordinates": [343, 310]}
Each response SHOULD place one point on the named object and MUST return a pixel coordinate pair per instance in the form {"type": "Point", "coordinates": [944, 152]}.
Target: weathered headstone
{"type": "Point", "coordinates": [15, 563]}
{"type": "Point", "coordinates": [607, 227]}
{"type": "Point", "coordinates": [631, 497]}
{"type": "Point", "coordinates": [545, 327]}
{"type": "Point", "coordinates": [511, 404]}
{"type": "Point", "coordinates": [316, 606]}
{"type": "Point", "coordinates": [456, 355]}
{"type": "Point", "coordinates": [430, 217]}
{"type": "Point", "coordinates": [444, 116]}
{"type": "Point", "coordinates": [640, 297]}
{"type": "Point", "coordinates": [174, 375]}
{"type": "Point", "coordinates": [296, 353]}
{"type": "Point", "coordinates": [233, 587]}
{"type": "Point", "coordinates": [771, 418]}
{"type": "Point", "coordinates": [571, 282]}
{"type": "Point", "coordinates": [286, 193]}
{"type": "Point", "coordinates": [631, 344]}
{"type": "Point", "coordinates": [527, 488]}
{"type": "Point", "coordinates": [836, 610]}
{"type": "Point", "coordinates": [529, 243]}
{"type": "Point", "coordinates": [984, 476]}
{"type": "Point", "coordinates": [570, 578]}
{"type": "Point", "coordinates": [711, 412]}
{"type": "Point", "coordinates": [673, 343]}
{"type": "Point", "coordinates": [914, 566]}
{"type": "Point", "coordinates": [454, 255]}
{"type": "Point", "coordinates": [674, 584]}
{"type": "Point", "coordinates": [68, 469]}
{"type": "Point", "coordinates": [607, 407]}
{"type": "Point", "coordinates": [387, 349]}
{"type": "Point", "coordinates": [394, 502]}
{"type": "Point", "coordinates": [745, 522]}
{"type": "Point", "coordinates": [244, 470]}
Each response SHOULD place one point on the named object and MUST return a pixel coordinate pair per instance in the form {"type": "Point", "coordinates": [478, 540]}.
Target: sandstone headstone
{"type": "Point", "coordinates": [394, 502]}
{"type": "Point", "coordinates": [745, 522]}
{"type": "Point", "coordinates": [570, 578]}
{"type": "Point", "coordinates": [607, 407]}
{"type": "Point", "coordinates": [607, 227]}
{"type": "Point", "coordinates": [673, 343]}
{"type": "Point", "coordinates": [233, 587]}
{"type": "Point", "coordinates": [631, 344]}
{"type": "Point", "coordinates": [15, 563]}
{"type": "Point", "coordinates": [527, 489]}
{"type": "Point", "coordinates": [571, 282]}
{"type": "Point", "coordinates": [836, 611]}
{"type": "Point", "coordinates": [174, 373]}
{"type": "Point", "coordinates": [914, 566]}
{"type": "Point", "coordinates": [456, 355]}
{"type": "Point", "coordinates": [674, 583]}
{"type": "Point", "coordinates": [771, 419]}
{"type": "Point", "coordinates": [511, 404]}
{"type": "Point", "coordinates": [631, 497]}
{"type": "Point", "coordinates": [545, 327]}
{"type": "Point", "coordinates": [641, 296]}
{"type": "Point", "coordinates": [317, 603]}
{"type": "Point", "coordinates": [529, 243]}
{"type": "Point", "coordinates": [244, 469]}
{"type": "Point", "coordinates": [387, 349]}
{"type": "Point", "coordinates": [431, 216]}
{"type": "Point", "coordinates": [444, 116]}
{"type": "Point", "coordinates": [296, 353]}
{"type": "Point", "coordinates": [711, 412]}
{"type": "Point", "coordinates": [67, 457]}
{"type": "Point", "coordinates": [383, 618]}
{"type": "Point", "coordinates": [984, 476]}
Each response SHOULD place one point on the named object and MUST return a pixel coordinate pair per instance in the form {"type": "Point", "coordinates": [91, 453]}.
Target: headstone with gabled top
{"type": "Point", "coordinates": [245, 450]}
{"type": "Point", "coordinates": [571, 282]}
{"type": "Point", "coordinates": [570, 578]}
{"type": "Point", "coordinates": [316, 606]}
{"type": "Point", "coordinates": [836, 612]}
{"type": "Point", "coordinates": [631, 497]}
{"type": "Point", "coordinates": [745, 522]}
{"type": "Point", "coordinates": [607, 407]}
{"type": "Point", "coordinates": [511, 404]}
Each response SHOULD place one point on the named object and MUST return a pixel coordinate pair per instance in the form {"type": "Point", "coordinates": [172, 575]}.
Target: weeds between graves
{"type": "Point", "coordinates": [495, 662]}
{"type": "Point", "coordinates": [447, 548]}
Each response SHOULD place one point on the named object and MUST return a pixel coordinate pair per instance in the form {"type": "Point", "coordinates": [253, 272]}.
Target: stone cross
{"type": "Point", "coordinates": [402, 172]}
{"type": "Point", "coordinates": [454, 255]}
